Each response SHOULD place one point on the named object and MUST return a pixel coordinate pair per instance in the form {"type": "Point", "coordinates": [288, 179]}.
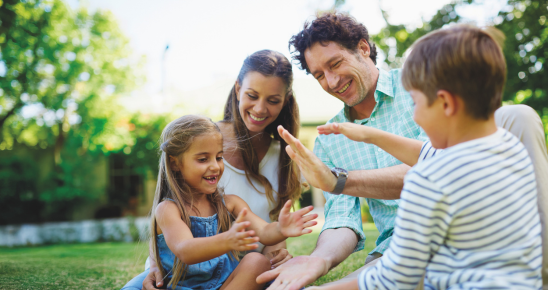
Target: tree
{"type": "Point", "coordinates": [526, 50]}
{"type": "Point", "coordinates": [61, 72]}
{"type": "Point", "coordinates": [524, 22]}
{"type": "Point", "coordinates": [60, 68]}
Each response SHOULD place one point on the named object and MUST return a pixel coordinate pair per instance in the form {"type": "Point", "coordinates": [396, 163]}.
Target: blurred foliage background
{"type": "Point", "coordinates": [66, 143]}
{"type": "Point", "coordinates": [524, 23]}
{"type": "Point", "coordinates": [61, 73]}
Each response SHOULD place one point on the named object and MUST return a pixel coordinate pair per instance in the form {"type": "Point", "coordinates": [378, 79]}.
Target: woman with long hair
{"type": "Point", "coordinates": [257, 167]}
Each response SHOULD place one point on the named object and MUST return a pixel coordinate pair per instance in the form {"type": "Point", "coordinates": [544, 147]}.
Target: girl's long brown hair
{"type": "Point", "coordinates": [175, 140]}
{"type": "Point", "coordinates": [268, 63]}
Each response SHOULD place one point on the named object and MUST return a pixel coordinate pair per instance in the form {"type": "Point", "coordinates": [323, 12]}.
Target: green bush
{"type": "Point", "coordinates": [19, 195]}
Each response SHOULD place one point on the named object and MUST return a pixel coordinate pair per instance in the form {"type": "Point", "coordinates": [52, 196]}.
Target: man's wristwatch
{"type": "Point", "coordinates": [342, 175]}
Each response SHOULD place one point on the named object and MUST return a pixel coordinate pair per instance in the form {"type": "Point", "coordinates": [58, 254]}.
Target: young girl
{"type": "Point", "coordinates": [193, 239]}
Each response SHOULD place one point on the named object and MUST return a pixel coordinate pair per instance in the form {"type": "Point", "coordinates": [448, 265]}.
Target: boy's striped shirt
{"type": "Point", "coordinates": [468, 219]}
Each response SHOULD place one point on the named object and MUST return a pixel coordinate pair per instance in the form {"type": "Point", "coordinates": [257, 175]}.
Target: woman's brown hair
{"type": "Point", "coordinates": [176, 140]}
{"type": "Point", "coordinates": [270, 64]}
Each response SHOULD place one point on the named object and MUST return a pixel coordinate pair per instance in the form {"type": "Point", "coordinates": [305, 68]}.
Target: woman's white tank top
{"type": "Point", "coordinates": [234, 182]}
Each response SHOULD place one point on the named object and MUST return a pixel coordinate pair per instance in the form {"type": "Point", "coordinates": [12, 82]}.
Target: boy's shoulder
{"type": "Point", "coordinates": [470, 157]}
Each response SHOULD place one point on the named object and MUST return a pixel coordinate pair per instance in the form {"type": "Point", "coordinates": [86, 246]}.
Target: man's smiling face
{"type": "Point", "coordinates": [341, 72]}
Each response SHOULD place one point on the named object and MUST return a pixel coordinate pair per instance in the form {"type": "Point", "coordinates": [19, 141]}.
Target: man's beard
{"type": "Point", "coordinates": [360, 99]}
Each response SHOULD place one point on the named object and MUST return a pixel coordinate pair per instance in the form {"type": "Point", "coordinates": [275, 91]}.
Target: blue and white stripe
{"type": "Point", "coordinates": [468, 219]}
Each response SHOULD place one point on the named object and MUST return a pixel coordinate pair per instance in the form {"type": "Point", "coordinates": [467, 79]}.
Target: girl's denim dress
{"type": "Point", "coordinates": [205, 275]}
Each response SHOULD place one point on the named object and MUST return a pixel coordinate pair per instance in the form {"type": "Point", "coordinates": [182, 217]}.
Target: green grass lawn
{"type": "Point", "coordinates": [111, 265]}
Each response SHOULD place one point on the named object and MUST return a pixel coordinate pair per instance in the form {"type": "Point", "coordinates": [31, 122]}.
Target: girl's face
{"type": "Point", "coordinates": [202, 164]}
{"type": "Point", "coordinates": [261, 100]}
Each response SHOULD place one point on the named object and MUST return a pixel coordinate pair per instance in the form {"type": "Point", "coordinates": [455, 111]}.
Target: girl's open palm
{"type": "Point", "coordinates": [294, 224]}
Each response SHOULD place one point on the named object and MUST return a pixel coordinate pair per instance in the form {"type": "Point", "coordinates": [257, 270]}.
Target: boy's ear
{"type": "Point", "coordinates": [449, 101]}
{"type": "Point", "coordinates": [173, 163]}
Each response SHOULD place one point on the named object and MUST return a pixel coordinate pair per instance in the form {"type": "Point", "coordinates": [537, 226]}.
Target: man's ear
{"type": "Point", "coordinates": [363, 48]}
{"type": "Point", "coordinates": [173, 164]}
{"type": "Point", "coordinates": [450, 102]}
{"type": "Point", "coordinates": [237, 87]}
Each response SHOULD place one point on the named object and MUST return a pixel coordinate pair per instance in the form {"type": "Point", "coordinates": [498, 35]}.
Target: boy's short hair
{"type": "Point", "coordinates": [464, 60]}
{"type": "Point", "coordinates": [331, 26]}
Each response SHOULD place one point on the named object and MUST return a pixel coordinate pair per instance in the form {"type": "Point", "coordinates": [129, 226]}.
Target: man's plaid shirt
{"type": "Point", "coordinates": [393, 113]}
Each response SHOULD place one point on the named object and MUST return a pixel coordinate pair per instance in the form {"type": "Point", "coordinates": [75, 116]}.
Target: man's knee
{"type": "Point", "coordinates": [522, 121]}
{"type": "Point", "coordinates": [510, 115]}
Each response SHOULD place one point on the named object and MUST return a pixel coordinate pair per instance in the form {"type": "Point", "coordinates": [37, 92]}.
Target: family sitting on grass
{"type": "Point", "coordinates": [455, 183]}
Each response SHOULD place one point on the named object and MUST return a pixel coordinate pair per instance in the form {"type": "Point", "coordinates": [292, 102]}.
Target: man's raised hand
{"type": "Point", "coordinates": [312, 168]}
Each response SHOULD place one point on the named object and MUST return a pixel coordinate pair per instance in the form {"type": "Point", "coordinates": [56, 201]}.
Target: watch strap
{"type": "Point", "coordinates": [341, 181]}
{"type": "Point", "coordinates": [341, 175]}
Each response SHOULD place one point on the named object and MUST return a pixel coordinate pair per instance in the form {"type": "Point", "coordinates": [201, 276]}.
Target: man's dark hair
{"type": "Point", "coordinates": [337, 27]}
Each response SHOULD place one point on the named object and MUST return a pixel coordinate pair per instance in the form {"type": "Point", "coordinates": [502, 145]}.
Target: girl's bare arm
{"type": "Point", "coordinates": [290, 225]}
{"type": "Point", "coordinates": [191, 250]}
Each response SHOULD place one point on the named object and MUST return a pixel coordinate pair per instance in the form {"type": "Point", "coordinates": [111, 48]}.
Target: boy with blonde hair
{"type": "Point", "coordinates": [468, 217]}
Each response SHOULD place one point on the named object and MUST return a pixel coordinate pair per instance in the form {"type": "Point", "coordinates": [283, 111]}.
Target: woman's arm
{"type": "Point", "coordinates": [191, 250]}
{"type": "Point", "coordinates": [290, 224]}
{"type": "Point", "coordinates": [404, 149]}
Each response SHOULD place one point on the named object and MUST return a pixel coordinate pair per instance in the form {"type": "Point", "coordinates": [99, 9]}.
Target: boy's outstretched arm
{"type": "Point", "coordinates": [404, 149]}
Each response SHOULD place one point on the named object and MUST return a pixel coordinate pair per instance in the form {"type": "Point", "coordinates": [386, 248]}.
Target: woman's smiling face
{"type": "Point", "coordinates": [261, 100]}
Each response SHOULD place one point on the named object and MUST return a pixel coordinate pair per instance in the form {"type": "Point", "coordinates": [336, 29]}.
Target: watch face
{"type": "Point", "coordinates": [339, 171]}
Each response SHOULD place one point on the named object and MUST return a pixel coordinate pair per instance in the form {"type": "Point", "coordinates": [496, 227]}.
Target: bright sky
{"type": "Point", "coordinates": [209, 39]}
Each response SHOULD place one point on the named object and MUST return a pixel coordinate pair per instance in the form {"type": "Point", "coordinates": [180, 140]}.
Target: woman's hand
{"type": "Point", "coordinates": [154, 278]}
{"type": "Point", "coordinates": [278, 257]}
{"type": "Point", "coordinates": [277, 254]}
{"type": "Point", "coordinates": [237, 238]}
{"type": "Point", "coordinates": [295, 224]}
{"type": "Point", "coordinates": [352, 131]}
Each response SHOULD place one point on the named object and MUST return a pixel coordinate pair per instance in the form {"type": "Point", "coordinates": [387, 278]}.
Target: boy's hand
{"type": "Point", "coordinates": [237, 238]}
{"type": "Point", "coordinates": [352, 131]}
{"type": "Point", "coordinates": [295, 224]}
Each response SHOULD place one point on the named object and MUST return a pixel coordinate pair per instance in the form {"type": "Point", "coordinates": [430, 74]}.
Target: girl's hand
{"type": "Point", "coordinates": [237, 238]}
{"type": "Point", "coordinates": [352, 131]}
{"type": "Point", "coordinates": [295, 224]}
